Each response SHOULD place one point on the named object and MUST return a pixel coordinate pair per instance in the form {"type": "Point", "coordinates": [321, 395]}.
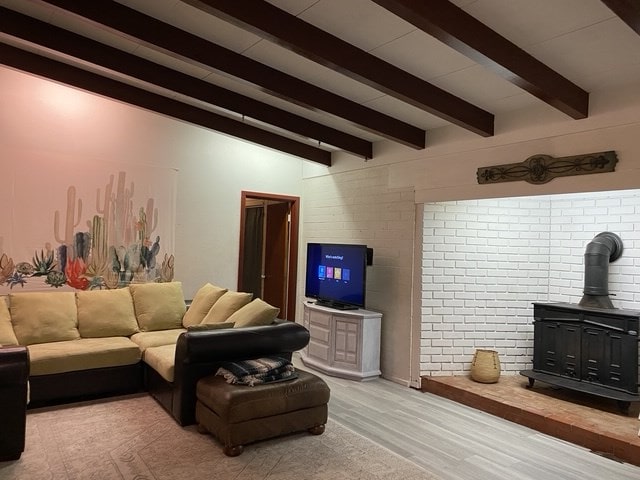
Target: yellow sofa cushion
{"type": "Point", "coordinates": [146, 340]}
{"type": "Point", "coordinates": [254, 314]}
{"type": "Point", "coordinates": [82, 354]}
{"type": "Point", "coordinates": [202, 302]}
{"type": "Point", "coordinates": [106, 313]}
{"type": "Point", "coordinates": [158, 306]}
{"type": "Point", "coordinates": [40, 317]}
{"type": "Point", "coordinates": [228, 304]}
{"type": "Point", "coordinates": [7, 337]}
{"type": "Point", "coordinates": [162, 360]}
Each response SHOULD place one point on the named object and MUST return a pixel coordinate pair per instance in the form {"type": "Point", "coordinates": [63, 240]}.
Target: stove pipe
{"type": "Point", "coordinates": [605, 247]}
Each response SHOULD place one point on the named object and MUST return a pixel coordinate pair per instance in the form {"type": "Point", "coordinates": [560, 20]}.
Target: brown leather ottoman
{"type": "Point", "coordinates": [238, 414]}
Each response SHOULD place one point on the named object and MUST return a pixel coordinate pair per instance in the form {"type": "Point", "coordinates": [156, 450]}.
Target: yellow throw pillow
{"type": "Point", "coordinates": [202, 303]}
{"type": "Point", "coordinates": [158, 306]}
{"type": "Point", "coordinates": [106, 313]}
{"type": "Point", "coordinates": [41, 317]}
{"type": "Point", "coordinates": [7, 337]}
{"type": "Point", "coordinates": [227, 306]}
{"type": "Point", "coordinates": [254, 314]}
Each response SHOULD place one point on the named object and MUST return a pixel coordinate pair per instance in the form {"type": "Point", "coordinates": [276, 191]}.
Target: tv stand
{"type": "Point", "coordinates": [335, 305]}
{"type": "Point", "coordinates": [343, 343]}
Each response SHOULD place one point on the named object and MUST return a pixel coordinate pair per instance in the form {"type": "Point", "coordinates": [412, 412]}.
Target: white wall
{"type": "Point", "coordinates": [359, 207]}
{"type": "Point", "coordinates": [486, 261]}
{"type": "Point", "coordinates": [37, 115]}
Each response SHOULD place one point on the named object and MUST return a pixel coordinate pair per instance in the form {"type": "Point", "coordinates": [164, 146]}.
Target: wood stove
{"type": "Point", "coordinates": [590, 347]}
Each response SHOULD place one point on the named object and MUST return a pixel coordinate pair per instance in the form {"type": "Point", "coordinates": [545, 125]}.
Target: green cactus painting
{"type": "Point", "coordinates": [111, 250]}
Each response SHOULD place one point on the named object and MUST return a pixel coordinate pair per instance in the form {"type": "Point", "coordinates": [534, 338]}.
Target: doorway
{"type": "Point", "coordinates": [268, 262]}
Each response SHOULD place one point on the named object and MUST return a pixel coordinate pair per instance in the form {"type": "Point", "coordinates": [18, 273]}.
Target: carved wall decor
{"type": "Point", "coordinates": [539, 169]}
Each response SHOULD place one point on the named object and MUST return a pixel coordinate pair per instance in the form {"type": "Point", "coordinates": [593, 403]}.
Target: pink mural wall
{"type": "Point", "coordinates": [81, 224]}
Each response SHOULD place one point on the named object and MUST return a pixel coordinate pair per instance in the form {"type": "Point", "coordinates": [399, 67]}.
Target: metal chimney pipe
{"type": "Point", "coordinates": [605, 247]}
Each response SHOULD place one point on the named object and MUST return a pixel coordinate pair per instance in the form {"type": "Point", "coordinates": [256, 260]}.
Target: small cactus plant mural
{"type": "Point", "coordinates": [113, 250]}
{"type": "Point", "coordinates": [6, 267]}
{"type": "Point", "coordinates": [43, 263]}
{"type": "Point", "coordinates": [56, 278]}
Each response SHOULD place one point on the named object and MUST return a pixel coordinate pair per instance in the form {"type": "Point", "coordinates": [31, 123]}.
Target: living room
{"type": "Point", "coordinates": [54, 132]}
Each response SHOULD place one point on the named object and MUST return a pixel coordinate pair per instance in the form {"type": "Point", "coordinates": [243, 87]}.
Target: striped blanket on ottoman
{"type": "Point", "coordinates": [261, 370]}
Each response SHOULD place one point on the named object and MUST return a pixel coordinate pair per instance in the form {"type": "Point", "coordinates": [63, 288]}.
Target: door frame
{"type": "Point", "coordinates": [292, 261]}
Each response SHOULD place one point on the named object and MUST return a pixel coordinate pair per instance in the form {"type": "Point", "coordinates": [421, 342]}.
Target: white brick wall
{"type": "Point", "coordinates": [485, 261]}
{"type": "Point", "coordinates": [359, 207]}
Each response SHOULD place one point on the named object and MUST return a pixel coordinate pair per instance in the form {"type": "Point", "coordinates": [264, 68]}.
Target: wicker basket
{"type": "Point", "coordinates": [485, 367]}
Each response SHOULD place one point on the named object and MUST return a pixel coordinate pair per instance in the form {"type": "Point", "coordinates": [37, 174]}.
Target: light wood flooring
{"type": "Point", "coordinates": [457, 442]}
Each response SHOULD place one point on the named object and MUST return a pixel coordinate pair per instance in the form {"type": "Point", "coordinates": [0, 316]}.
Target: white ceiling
{"type": "Point", "coordinates": [581, 39]}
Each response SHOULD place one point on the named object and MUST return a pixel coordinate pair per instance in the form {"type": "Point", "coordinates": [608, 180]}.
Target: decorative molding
{"type": "Point", "coordinates": [539, 169]}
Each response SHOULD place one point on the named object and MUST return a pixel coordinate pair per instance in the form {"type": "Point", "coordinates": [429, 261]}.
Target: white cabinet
{"type": "Point", "coordinates": [344, 343]}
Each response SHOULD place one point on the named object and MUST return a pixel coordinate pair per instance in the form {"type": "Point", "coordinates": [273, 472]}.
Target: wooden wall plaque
{"type": "Point", "coordinates": [539, 169]}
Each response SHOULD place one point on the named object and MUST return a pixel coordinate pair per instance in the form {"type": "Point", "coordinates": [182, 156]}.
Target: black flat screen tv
{"type": "Point", "coordinates": [336, 274]}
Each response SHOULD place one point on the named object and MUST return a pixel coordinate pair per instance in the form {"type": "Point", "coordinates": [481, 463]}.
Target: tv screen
{"type": "Point", "coordinates": [336, 274]}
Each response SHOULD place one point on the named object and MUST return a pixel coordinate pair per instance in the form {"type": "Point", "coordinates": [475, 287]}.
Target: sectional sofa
{"type": "Point", "coordinates": [142, 337]}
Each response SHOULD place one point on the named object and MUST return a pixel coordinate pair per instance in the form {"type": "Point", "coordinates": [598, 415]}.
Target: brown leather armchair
{"type": "Point", "coordinates": [14, 373]}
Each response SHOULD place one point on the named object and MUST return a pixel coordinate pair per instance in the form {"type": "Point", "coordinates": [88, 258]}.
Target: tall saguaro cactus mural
{"type": "Point", "coordinates": [111, 250]}
{"type": "Point", "coordinates": [72, 220]}
{"type": "Point", "coordinates": [74, 214]}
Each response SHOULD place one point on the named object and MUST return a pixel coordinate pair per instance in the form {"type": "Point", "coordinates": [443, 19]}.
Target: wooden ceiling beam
{"type": "Point", "coordinates": [68, 43]}
{"type": "Point", "coordinates": [627, 10]}
{"type": "Point", "coordinates": [174, 41]}
{"type": "Point", "coordinates": [69, 75]}
{"type": "Point", "coordinates": [460, 31]}
{"type": "Point", "coordinates": [288, 31]}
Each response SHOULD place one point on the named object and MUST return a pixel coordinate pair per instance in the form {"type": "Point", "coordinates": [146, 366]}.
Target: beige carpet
{"type": "Point", "coordinates": [133, 438]}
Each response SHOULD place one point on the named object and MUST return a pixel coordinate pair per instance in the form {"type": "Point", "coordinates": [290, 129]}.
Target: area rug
{"type": "Point", "coordinates": [133, 438]}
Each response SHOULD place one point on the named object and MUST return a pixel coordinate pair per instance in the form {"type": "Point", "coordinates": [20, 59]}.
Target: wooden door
{"type": "Point", "coordinates": [276, 246]}
{"type": "Point", "coordinates": [278, 278]}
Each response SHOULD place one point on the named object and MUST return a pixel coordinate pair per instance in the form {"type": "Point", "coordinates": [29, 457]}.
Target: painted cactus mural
{"type": "Point", "coordinates": [113, 248]}
{"type": "Point", "coordinates": [6, 267]}
{"type": "Point", "coordinates": [98, 261]}
{"type": "Point", "coordinates": [74, 214]}
{"type": "Point", "coordinates": [44, 263]}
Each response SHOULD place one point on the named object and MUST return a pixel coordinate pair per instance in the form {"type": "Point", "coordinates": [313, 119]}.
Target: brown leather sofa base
{"type": "Point", "coordinates": [237, 415]}
{"type": "Point", "coordinates": [81, 385]}
{"type": "Point", "coordinates": [14, 372]}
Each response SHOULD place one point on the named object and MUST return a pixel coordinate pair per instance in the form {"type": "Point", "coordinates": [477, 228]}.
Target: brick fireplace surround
{"type": "Point", "coordinates": [484, 264]}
